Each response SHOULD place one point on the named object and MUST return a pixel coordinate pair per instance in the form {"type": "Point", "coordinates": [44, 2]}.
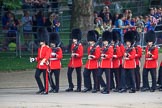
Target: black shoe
{"type": "Point", "coordinates": [77, 90]}
{"type": "Point", "coordinates": [103, 89]}
{"type": "Point", "coordinates": [116, 90]}
{"type": "Point", "coordinates": [144, 89]}
{"type": "Point", "coordinates": [69, 90]}
{"type": "Point", "coordinates": [39, 92]}
{"type": "Point", "coordinates": [94, 91]}
{"type": "Point", "coordinates": [122, 90]}
{"type": "Point", "coordinates": [105, 92]}
{"type": "Point", "coordinates": [51, 91]}
{"type": "Point", "coordinates": [86, 89]}
{"type": "Point", "coordinates": [132, 91]}
{"type": "Point", "coordinates": [55, 91]}
{"type": "Point", "coordinates": [44, 93]}
{"type": "Point", "coordinates": [152, 90]}
{"type": "Point", "coordinates": [160, 89]}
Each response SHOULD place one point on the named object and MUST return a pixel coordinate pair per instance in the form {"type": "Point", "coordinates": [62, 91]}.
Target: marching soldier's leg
{"type": "Point", "coordinates": [137, 78]}
{"type": "Point", "coordinates": [95, 80]}
{"type": "Point", "coordinates": [107, 74]}
{"type": "Point", "coordinates": [132, 81]}
{"type": "Point", "coordinates": [57, 77]}
{"type": "Point", "coordinates": [100, 79]}
{"type": "Point", "coordinates": [145, 86]}
{"type": "Point", "coordinates": [87, 80]}
{"type": "Point", "coordinates": [45, 77]}
{"type": "Point", "coordinates": [51, 81]}
{"type": "Point", "coordinates": [116, 71]}
{"type": "Point", "coordinates": [153, 76]}
{"type": "Point", "coordinates": [79, 79]}
{"type": "Point", "coordinates": [160, 78]}
{"type": "Point", "coordinates": [112, 85]}
{"type": "Point", "coordinates": [38, 80]}
{"type": "Point", "coordinates": [123, 82]}
{"type": "Point", "coordinates": [69, 74]}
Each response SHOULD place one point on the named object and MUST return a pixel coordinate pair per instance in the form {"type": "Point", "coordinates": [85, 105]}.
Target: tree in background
{"type": "Point", "coordinates": [82, 15]}
{"type": "Point", "coordinates": [12, 4]}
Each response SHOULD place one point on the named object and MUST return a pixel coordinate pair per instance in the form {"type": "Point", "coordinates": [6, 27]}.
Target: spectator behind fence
{"type": "Point", "coordinates": [52, 23]}
{"type": "Point", "coordinates": [27, 26]}
{"type": "Point", "coordinates": [5, 20]}
{"type": "Point", "coordinates": [148, 25]}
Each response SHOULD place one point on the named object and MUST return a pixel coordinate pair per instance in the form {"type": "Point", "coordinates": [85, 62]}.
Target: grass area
{"type": "Point", "coordinates": [11, 63]}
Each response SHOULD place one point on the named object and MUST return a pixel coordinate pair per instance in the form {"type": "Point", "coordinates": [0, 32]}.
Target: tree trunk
{"type": "Point", "coordinates": [82, 15]}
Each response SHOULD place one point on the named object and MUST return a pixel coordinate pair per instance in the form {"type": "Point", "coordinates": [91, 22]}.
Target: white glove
{"type": "Point", "coordinates": [41, 63]}
{"type": "Point", "coordinates": [32, 59]}
{"type": "Point", "coordinates": [53, 54]}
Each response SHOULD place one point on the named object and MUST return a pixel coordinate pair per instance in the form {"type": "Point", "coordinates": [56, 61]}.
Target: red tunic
{"type": "Point", "coordinates": [122, 50]}
{"type": "Point", "coordinates": [130, 62]}
{"type": "Point", "coordinates": [55, 61]}
{"type": "Point", "coordinates": [93, 63]}
{"type": "Point", "coordinates": [77, 60]}
{"type": "Point", "coordinates": [116, 60]}
{"type": "Point", "coordinates": [138, 54]}
{"type": "Point", "coordinates": [151, 62]}
{"type": "Point", "coordinates": [107, 61]}
{"type": "Point", "coordinates": [43, 53]}
{"type": "Point", "coordinates": [161, 63]}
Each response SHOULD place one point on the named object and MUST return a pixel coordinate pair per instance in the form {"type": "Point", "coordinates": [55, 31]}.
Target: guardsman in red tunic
{"type": "Point", "coordinates": [92, 62]}
{"type": "Point", "coordinates": [160, 77]}
{"type": "Point", "coordinates": [115, 62]}
{"type": "Point", "coordinates": [138, 56]}
{"type": "Point", "coordinates": [41, 59]}
{"type": "Point", "coordinates": [129, 63]}
{"type": "Point", "coordinates": [75, 60]}
{"type": "Point", "coordinates": [106, 62]}
{"type": "Point", "coordinates": [151, 63]}
{"type": "Point", "coordinates": [55, 62]}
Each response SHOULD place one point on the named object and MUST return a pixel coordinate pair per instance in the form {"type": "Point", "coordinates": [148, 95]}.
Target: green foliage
{"type": "Point", "coordinates": [12, 4]}
{"type": "Point", "coordinates": [11, 63]}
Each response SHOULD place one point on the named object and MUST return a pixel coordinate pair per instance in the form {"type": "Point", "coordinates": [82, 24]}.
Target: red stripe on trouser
{"type": "Point", "coordinates": [46, 86]}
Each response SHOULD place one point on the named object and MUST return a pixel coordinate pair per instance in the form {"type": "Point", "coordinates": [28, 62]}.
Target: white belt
{"type": "Point", "coordinates": [53, 58]}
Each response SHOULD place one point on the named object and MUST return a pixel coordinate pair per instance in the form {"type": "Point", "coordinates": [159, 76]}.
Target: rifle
{"type": "Point", "coordinates": [115, 46]}
{"type": "Point", "coordinates": [106, 48]}
{"type": "Point", "coordinates": [95, 45]}
{"type": "Point", "coordinates": [55, 49]}
{"type": "Point", "coordinates": [130, 49]}
{"type": "Point", "coordinates": [76, 47]}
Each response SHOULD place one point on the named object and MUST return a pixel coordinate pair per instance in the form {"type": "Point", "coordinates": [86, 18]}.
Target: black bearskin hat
{"type": "Point", "coordinates": [136, 35]}
{"type": "Point", "coordinates": [107, 36]}
{"type": "Point", "coordinates": [116, 35]}
{"type": "Point", "coordinates": [76, 34]}
{"type": "Point", "coordinates": [129, 36]}
{"type": "Point", "coordinates": [43, 35]}
{"type": "Point", "coordinates": [54, 38]}
{"type": "Point", "coordinates": [150, 36]}
{"type": "Point", "coordinates": [91, 36]}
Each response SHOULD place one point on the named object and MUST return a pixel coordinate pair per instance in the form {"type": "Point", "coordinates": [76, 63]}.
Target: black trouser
{"type": "Point", "coordinates": [79, 77]}
{"type": "Point", "coordinates": [120, 72]}
{"type": "Point", "coordinates": [101, 81]}
{"type": "Point", "coordinates": [38, 79]}
{"type": "Point", "coordinates": [145, 77]}
{"type": "Point", "coordinates": [128, 79]}
{"type": "Point", "coordinates": [87, 79]}
{"type": "Point", "coordinates": [56, 73]}
{"type": "Point", "coordinates": [115, 73]}
{"type": "Point", "coordinates": [137, 77]}
{"type": "Point", "coordinates": [160, 76]}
